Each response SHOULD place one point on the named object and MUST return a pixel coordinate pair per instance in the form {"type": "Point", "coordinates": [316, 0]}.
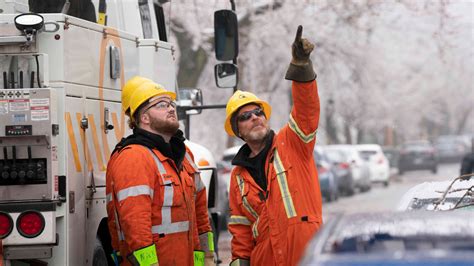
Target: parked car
{"type": "Point", "coordinates": [392, 154]}
{"type": "Point", "coordinates": [439, 196]}
{"type": "Point", "coordinates": [452, 148]}
{"type": "Point", "coordinates": [378, 164]}
{"type": "Point", "coordinates": [417, 155]}
{"type": "Point", "coordinates": [357, 165]}
{"type": "Point", "coordinates": [342, 171]}
{"type": "Point", "coordinates": [327, 180]}
{"type": "Point", "coordinates": [394, 238]}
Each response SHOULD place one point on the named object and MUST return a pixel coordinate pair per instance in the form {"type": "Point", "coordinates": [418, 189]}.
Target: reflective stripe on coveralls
{"type": "Point", "coordinates": [130, 192]}
{"type": "Point", "coordinates": [283, 183]}
{"type": "Point", "coordinates": [206, 239]}
{"type": "Point", "coordinates": [197, 176]}
{"type": "Point", "coordinates": [166, 226]}
{"type": "Point", "coordinates": [109, 198]}
{"type": "Point", "coordinates": [235, 219]}
{"type": "Point", "coordinates": [294, 126]}
{"type": "Point", "coordinates": [247, 206]}
{"type": "Point", "coordinates": [240, 262]}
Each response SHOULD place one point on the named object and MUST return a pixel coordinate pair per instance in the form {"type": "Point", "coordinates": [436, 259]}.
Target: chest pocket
{"type": "Point", "coordinates": [281, 175]}
{"type": "Point", "coordinates": [171, 189]}
{"type": "Point", "coordinates": [244, 193]}
{"type": "Point", "coordinates": [169, 184]}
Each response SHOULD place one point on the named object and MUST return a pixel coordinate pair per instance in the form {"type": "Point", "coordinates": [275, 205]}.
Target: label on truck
{"type": "Point", "coordinates": [19, 105]}
{"type": "Point", "coordinates": [3, 107]}
{"type": "Point", "coordinates": [39, 109]}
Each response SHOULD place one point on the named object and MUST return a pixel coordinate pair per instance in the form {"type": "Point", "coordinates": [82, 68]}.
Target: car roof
{"type": "Point", "coordinates": [404, 224]}
{"type": "Point", "coordinates": [344, 235]}
{"type": "Point", "coordinates": [368, 147]}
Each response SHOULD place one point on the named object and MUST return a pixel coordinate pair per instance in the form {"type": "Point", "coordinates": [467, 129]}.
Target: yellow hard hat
{"type": "Point", "coordinates": [145, 92]}
{"type": "Point", "coordinates": [129, 88]}
{"type": "Point", "coordinates": [239, 99]}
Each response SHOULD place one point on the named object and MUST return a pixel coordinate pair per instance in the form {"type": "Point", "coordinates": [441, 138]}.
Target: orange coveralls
{"type": "Point", "coordinates": [273, 227]}
{"type": "Point", "coordinates": [155, 205]}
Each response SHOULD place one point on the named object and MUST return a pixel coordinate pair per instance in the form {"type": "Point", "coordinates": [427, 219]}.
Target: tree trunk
{"type": "Point", "coordinates": [462, 122]}
{"type": "Point", "coordinates": [191, 62]}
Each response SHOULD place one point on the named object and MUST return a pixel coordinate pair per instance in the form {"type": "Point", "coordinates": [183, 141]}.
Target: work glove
{"type": "Point", "coordinates": [301, 67]}
{"type": "Point", "coordinates": [210, 259]}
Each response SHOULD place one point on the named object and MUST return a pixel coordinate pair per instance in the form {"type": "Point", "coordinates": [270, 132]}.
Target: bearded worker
{"type": "Point", "coordinates": [275, 199]}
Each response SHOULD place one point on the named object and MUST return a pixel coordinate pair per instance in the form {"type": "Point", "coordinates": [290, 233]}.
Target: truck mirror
{"type": "Point", "coordinates": [188, 98]}
{"type": "Point", "coordinates": [226, 75]}
{"type": "Point", "coordinates": [226, 39]}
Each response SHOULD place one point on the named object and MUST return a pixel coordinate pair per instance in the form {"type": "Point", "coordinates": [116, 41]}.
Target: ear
{"type": "Point", "coordinates": [145, 118]}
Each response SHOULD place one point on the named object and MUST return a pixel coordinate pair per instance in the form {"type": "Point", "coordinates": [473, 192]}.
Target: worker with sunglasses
{"type": "Point", "coordinates": [156, 200]}
{"type": "Point", "coordinates": [275, 199]}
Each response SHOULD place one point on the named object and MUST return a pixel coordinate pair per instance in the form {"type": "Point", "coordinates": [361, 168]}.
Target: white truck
{"type": "Point", "coordinates": [60, 118]}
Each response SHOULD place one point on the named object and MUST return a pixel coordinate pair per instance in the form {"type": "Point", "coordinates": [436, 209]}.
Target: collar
{"type": "Point", "coordinates": [174, 150]}
{"type": "Point", "coordinates": [242, 156]}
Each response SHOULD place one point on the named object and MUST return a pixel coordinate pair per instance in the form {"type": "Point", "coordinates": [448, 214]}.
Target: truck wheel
{"type": "Point", "coordinates": [99, 258]}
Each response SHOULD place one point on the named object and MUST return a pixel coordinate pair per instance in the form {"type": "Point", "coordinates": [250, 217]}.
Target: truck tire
{"type": "Point", "coordinates": [99, 258]}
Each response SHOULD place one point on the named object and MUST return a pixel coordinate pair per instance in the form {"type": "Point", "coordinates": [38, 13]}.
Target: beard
{"type": "Point", "coordinates": [257, 135]}
{"type": "Point", "coordinates": [165, 126]}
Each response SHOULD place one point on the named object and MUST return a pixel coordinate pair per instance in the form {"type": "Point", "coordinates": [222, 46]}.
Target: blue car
{"type": "Point", "coordinates": [327, 179]}
{"type": "Point", "coordinates": [395, 238]}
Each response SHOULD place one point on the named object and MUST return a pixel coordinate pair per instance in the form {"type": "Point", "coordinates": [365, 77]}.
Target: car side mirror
{"type": "Point", "coordinates": [226, 35]}
{"type": "Point", "coordinates": [226, 75]}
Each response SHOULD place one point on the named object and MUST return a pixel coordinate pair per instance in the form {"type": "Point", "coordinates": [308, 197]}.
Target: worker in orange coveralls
{"type": "Point", "coordinates": [275, 199]}
{"type": "Point", "coordinates": [157, 202]}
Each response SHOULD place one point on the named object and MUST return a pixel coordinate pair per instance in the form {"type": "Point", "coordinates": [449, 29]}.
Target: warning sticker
{"type": "Point", "coordinates": [18, 105]}
{"type": "Point", "coordinates": [39, 113]}
{"type": "Point", "coordinates": [39, 102]}
{"type": "Point", "coordinates": [3, 107]}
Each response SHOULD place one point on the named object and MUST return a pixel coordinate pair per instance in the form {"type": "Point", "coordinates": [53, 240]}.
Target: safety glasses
{"type": "Point", "coordinates": [247, 115]}
{"type": "Point", "coordinates": [162, 105]}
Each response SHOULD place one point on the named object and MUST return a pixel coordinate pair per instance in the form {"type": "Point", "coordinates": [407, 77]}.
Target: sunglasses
{"type": "Point", "coordinates": [162, 105]}
{"type": "Point", "coordinates": [247, 115]}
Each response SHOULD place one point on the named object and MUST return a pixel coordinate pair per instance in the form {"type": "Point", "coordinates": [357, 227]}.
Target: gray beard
{"type": "Point", "coordinates": [257, 136]}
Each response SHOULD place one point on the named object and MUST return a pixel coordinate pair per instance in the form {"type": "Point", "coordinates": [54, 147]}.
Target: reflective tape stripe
{"type": "Point", "coordinates": [108, 198]}
{"type": "Point", "coordinates": [254, 229]}
{"type": "Point", "coordinates": [191, 162]}
{"type": "Point", "coordinates": [305, 138]}
{"type": "Point", "coordinates": [159, 165]}
{"type": "Point", "coordinates": [134, 191]}
{"type": "Point", "coordinates": [197, 176]}
{"type": "Point", "coordinates": [240, 262]}
{"type": "Point", "coordinates": [120, 235]}
{"type": "Point", "coordinates": [166, 226]}
{"type": "Point", "coordinates": [283, 183]}
{"type": "Point", "coordinates": [234, 219]}
{"type": "Point", "coordinates": [198, 182]}
{"type": "Point", "coordinates": [170, 228]}
{"type": "Point", "coordinates": [247, 206]}
{"type": "Point", "coordinates": [167, 193]}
